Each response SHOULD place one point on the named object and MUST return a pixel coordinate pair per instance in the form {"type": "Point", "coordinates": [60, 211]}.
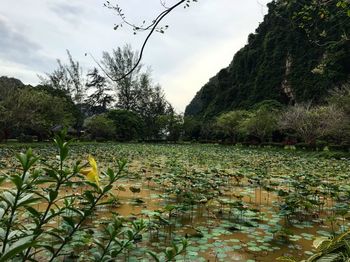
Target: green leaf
{"type": "Point", "coordinates": [286, 259]}
{"type": "Point", "coordinates": [14, 250]}
{"type": "Point", "coordinates": [69, 221]}
{"type": "Point", "coordinates": [22, 159]}
{"type": "Point", "coordinates": [48, 247]}
{"type": "Point", "coordinates": [9, 198]}
{"type": "Point", "coordinates": [169, 253]}
{"type": "Point", "coordinates": [89, 197]}
{"type": "Point", "coordinates": [2, 212]}
{"type": "Point", "coordinates": [16, 179]}
{"type": "Point", "coordinates": [154, 256]}
{"type": "Point", "coordinates": [27, 201]}
{"type": "Point", "coordinates": [2, 179]}
{"type": "Point", "coordinates": [53, 195]}
{"type": "Point", "coordinates": [130, 235]}
{"type": "Point", "coordinates": [27, 159]}
{"type": "Point", "coordinates": [33, 212]}
{"type": "Point", "coordinates": [320, 242]}
{"type": "Point", "coordinates": [332, 257]}
{"type": "Point", "coordinates": [24, 199]}
{"type": "Point", "coordinates": [57, 236]}
{"type": "Point", "coordinates": [107, 188]}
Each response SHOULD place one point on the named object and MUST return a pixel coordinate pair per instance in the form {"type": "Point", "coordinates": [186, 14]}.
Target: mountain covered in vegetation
{"type": "Point", "coordinates": [298, 53]}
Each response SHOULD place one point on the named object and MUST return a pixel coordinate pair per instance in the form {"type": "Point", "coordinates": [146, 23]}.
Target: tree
{"type": "Point", "coordinates": [2, 122]}
{"type": "Point", "coordinates": [153, 105]}
{"type": "Point", "coordinates": [191, 128]}
{"type": "Point", "coordinates": [340, 98]}
{"type": "Point", "coordinates": [34, 111]}
{"type": "Point", "coordinates": [175, 127]}
{"type": "Point", "coordinates": [318, 19]}
{"type": "Point", "coordinates": [170, 125]}
{"type": "Point", "coordinates": [128, 125]}
{"type": "Point", "coordinates": [8, 89]}
{"type": "Point", "coordinates": [99, 126]}
{"type": "Point", "coordinates": [100, 99]}
{"type": "Point", "coordinates": [67, 77]}
{"type": "Point", "coordinates": [312, 123]}
{"type": "Point", "coordinates": [118, 64]}
{"type": "Point", "coordinates": [262, 122]}
{"type": "Point", "coordinates": [231, 123]}
{"type": "Point", "coordinates": [136, 92]}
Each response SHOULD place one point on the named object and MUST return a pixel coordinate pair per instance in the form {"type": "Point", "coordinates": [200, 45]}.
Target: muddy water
{"type": "Point", "coordinates": [238, 245]}
{"type": "Point", "coordinates": [216, 231]}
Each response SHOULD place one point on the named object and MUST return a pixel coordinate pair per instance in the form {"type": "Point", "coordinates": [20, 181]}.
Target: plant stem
{"type": "Point", "coordinates": [13, 211]}
{"type": "Point", "coordinates": [43, 218]}
{"type": "Point", "coordinates": [75, 229]}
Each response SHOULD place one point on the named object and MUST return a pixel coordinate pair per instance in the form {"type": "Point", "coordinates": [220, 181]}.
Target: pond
{"type": "Point", "coordinates": [230, 203]}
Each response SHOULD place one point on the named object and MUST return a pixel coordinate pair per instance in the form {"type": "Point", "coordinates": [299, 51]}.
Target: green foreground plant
{"type": "Point", "coordinates": [43, 218]}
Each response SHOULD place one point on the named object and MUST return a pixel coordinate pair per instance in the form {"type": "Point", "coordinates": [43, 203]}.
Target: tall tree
{"type": "Point", "coordinates": [101, 98]}
{"type": "Point", "coordinates": [34, 111]}
{"type": "Point", "coordinates": [118, 64]}
{"type": "Point", "coordinates": [67, 77]}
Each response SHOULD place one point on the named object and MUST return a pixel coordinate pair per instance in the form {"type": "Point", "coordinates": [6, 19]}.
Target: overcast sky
{"type": "Point", "coordinates": [199, 42]}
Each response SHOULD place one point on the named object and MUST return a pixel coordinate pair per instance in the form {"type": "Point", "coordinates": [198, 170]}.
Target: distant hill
{"type": "Point", "coordinates": [296, 54]}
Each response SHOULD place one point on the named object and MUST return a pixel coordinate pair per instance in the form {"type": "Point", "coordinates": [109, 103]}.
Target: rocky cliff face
{"type": "Point", "coordinates": [286, 60]}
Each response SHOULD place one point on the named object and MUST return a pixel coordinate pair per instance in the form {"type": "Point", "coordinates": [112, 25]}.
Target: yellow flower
{"type": "Point", "coordinates": [91, 172]}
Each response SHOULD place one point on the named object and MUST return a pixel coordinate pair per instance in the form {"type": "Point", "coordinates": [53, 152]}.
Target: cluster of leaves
{"type": "Point", "coordinates": [33, 111]}
{"type": "Point", "coordinates": [328, 249]}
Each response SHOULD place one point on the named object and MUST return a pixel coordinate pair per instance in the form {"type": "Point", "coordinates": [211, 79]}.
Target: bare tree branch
{"type": "Point", "coordinates": [152, 27]}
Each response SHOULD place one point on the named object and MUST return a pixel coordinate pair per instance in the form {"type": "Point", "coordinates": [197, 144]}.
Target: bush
{"type": "Point", "coordinates": [341, 147]}
{"type": "Point", "coordinates": [312, 123]}
{"type": "Point", "coordinates": [99, 126]}
{"type": "Point", "coordinates": [334, 155]}
{"type": "Point", "coordinates": [320, 144]}
{"type": "Point", "coordinates": [230, 123]}
{"type": "Point", "coordinates": [25, 138]}
{"type": "Point", "coordinates": [272, 144]}
{"type": "Point", "coordinates": [127, 125]}
{"type": "Point", "coordinates": [305, 146]}
{"type": "Point", "coordinates": [261, 124]}
{"type": "Point", "coordinates": [101, 139]}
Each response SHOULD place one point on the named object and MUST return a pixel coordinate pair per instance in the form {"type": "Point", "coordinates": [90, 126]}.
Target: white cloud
{"type": "Point", "coordinates": [19, 71]}
{"type": "Point", "coordinates": [200, 41]}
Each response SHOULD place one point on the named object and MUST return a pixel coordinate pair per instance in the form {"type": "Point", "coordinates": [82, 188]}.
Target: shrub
{"type": "Point", "coordinates": [311, 123]}
{"type": "Point", "coordinates": [261, 123]}
{"type": "Point", "coordinates": [127, 125]}
{"type": "Point", "coordinates": [231, 123]}
{"type": "Point", "coordinates": [25, 138]}
{"type": "Point", "coordinates": [99, 126]}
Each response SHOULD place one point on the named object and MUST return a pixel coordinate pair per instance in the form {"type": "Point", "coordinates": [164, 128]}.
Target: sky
{"type": "Point", "coordinates": [200, 40]}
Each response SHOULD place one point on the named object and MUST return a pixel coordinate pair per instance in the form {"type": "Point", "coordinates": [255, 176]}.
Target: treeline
{"type": "Point", "coordinates": [271, 123]}
{"type": "Point", "coordinates": [93, 106]}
